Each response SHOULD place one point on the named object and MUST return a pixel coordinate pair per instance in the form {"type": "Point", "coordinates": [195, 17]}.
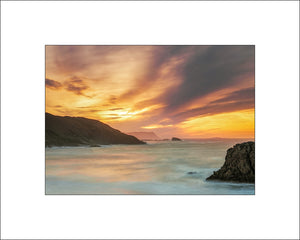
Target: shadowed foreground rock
{"type": "Point", "coordinates": [239, 164]}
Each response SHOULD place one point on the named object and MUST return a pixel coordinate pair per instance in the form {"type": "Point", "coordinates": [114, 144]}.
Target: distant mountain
{"type": "Point", "coordinates": [75, 131]}
{"type": "Point", "coordinates": [145, 135]}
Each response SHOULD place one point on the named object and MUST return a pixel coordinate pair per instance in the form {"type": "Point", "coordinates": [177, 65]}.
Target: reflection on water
{"type": "Point", "coordinates": [155, 168]}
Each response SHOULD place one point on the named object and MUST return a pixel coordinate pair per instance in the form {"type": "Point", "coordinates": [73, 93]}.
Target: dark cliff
{"type": "Point", "coordinates": [75, 131]}
{"type": "Point", "coordinates": [239, 164]}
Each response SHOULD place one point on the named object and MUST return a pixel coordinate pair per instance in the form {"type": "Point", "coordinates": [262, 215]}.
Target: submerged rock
{"type": "Point", "coordinates": [191, 172]}
{"type": "Point", "coordinates": [176, 139]}
{"type": "Point", "coordinates": [239, 164]}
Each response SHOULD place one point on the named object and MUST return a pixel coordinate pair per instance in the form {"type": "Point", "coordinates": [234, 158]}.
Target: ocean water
{"type": "Point", "coordinates": [158, 167]}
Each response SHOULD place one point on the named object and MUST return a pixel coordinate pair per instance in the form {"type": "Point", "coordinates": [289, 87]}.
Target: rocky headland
{"type": "Point", "coordinates": [76, 131]}
{"type": "Point", "coordinates": [176, 139]}
{"type": "Point", "coordinates": [239, 164]}
{"type": "Point", "coordinates": [145, 136]}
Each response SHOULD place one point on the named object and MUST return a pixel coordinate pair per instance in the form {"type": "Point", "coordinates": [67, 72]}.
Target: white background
{"type": "Point", "coordinates": [272, 213]}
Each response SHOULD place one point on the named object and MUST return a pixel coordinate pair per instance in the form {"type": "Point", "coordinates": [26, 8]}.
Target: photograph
{"type": "Point", "coordinates": [150, 119]}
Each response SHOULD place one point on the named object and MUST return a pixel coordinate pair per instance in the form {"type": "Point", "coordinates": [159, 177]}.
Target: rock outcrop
{"type": "Point", "coordinates": [176, 139]}
{"type": "Point", "coordinates": [75, 131]}
{"type": "Point", "coordinates": [239, 164]}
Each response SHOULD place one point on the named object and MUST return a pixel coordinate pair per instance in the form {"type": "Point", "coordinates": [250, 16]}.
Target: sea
{"type": "Point", "coordinates": [158, 167]}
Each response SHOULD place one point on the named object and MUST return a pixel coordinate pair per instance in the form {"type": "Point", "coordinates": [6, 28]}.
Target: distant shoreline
{"type": "Point", "coordinates": [184, 140]}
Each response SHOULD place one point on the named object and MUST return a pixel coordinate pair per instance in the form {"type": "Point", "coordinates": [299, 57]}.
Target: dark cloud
{"type": "Point", "coordinates": [76, 86]}
{"type": "Point", "coordinates": [53, 84]}
{"type": "Point", "coordinates": [212, 109]}
{"type": "Point", "coordinates": [115, 109]}
{"type": "Point", "coordinates": [240, 95]}
{"type": "Point", "coordinates": [76, 89]}
{"type": "Point", "coordinates": [215, 68]}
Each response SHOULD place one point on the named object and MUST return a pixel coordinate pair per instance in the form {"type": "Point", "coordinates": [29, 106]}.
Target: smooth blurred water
{"type": "Point", "coordinates": [160, 167]}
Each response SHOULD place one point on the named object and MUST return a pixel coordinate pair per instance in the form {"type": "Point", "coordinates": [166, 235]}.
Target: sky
{"type": "Point", "coordinates": [183, 91]}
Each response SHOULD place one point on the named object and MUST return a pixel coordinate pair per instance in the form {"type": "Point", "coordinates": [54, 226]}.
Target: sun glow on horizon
{"type": "Point", "coordinates": [156, 126]}
{"type": "Point", "coordinates": [122, 114]}
{"type": "Point", "coordinates": [239, 124]}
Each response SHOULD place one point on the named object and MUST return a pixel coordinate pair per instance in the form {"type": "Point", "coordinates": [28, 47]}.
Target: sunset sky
{"type": "Point", "coordinates": [182, 91]}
